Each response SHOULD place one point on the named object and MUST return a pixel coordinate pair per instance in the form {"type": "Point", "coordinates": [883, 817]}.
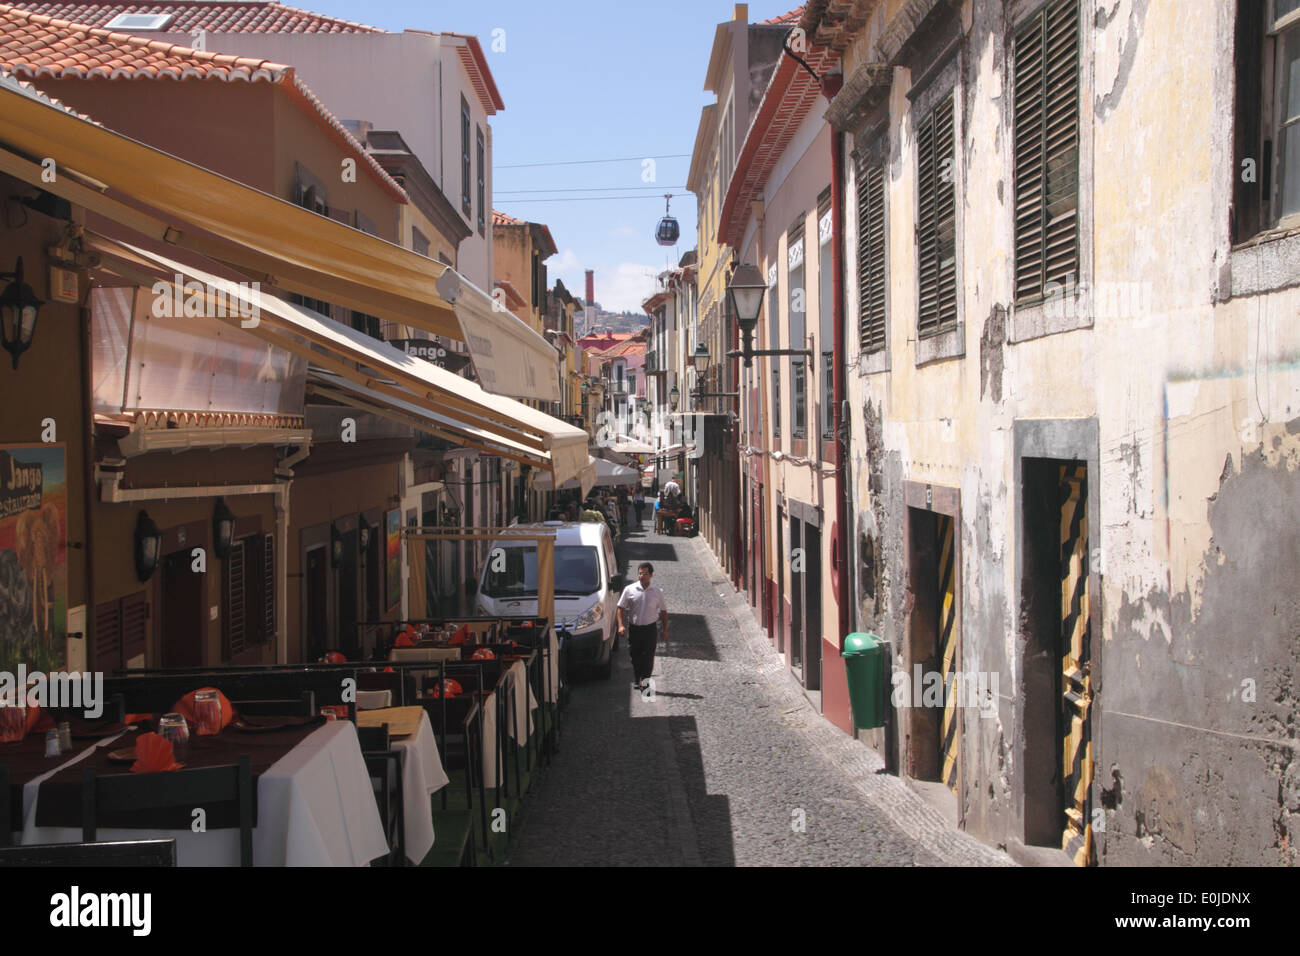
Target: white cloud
{"type": "Point", "coordinates": [620, 288]}
{"type": "Point", "coordinates": [625, 232]}
{"type": "Point", "coordinates": [567, 262]}
{"type": "Point", "coordinates": [626, 286]}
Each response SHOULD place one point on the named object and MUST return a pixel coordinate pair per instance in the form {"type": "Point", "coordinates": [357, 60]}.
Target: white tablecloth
{"type": "Point", "coordinates": [422, 775]}
{"type": "Point", "coordinates": [519, 729]}
{"type": "Point", "coordinates": [315, 807]}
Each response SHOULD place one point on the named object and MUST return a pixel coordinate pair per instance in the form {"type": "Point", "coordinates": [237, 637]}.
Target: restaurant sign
{"type": "Point", "coordinates": [33, 557]}
{"type": "Point", "coordinates": [432, 350]}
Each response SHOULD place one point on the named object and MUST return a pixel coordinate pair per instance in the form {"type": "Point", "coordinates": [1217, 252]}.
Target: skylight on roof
{"type": "Point", "coordinates": [140, 21]}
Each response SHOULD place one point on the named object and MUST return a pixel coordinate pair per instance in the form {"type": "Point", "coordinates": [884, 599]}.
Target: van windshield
{"type": "Point", "coordinates": [513, 574]}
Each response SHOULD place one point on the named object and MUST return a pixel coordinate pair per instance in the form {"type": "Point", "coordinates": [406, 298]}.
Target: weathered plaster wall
{"type": "Point", "coordinates": [1196, 540]}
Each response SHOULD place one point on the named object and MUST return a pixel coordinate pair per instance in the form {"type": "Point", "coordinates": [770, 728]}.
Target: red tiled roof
{"type": "Point", "coordinates": [258, 16]}
{"type": "Point", "coordinates": [791, 17]}
{"type": "Point", "coordinates": [34, 46]}
{"type": "Point", "coordinates": [501, 219]}
{"type": "Point", "coordinates": [790, 94]}
{"type": "Point", "coordinates": [26, 88]}
{"type": "Point", "coordinates": [475, 63]}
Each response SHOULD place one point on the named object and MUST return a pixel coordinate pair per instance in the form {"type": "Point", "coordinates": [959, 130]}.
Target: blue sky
{"type": "Point", "coordinates": [581, 81]}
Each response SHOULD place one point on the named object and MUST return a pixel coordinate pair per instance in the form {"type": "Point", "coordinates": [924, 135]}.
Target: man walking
{"type": "Point", "coordinates": [640, 611]}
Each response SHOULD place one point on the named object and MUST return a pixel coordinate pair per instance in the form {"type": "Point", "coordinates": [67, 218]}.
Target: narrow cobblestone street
{"type": "Point", "coordinates": [715, 769]}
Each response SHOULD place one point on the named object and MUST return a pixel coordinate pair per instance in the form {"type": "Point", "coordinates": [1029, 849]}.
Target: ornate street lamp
{"type": "Point", "coordinates": [223, 529]}
{"type": "Point", "coordinates": [148, 545]}
{"type": "Point", "coordinates": [18, 310]}
{"type": "Point", "coordinates": [674, 396]}
{"type": "Point", "coordinates": [745, 297]}
{"type": "Point", "coordinates": [701, 359]}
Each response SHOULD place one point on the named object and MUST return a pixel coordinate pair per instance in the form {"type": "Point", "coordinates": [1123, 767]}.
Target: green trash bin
{"type": "Point", "coordinates": [864, 661]}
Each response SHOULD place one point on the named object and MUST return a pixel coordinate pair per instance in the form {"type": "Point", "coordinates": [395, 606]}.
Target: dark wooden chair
{"type": "Point", "coordinates": [384, 765]}
{"type": "Point", "coordinates": [458, 722]}
{"type": "Point", "coordinates": [124, 853]}
{"type": "Point", "coordinates": [104, 798]}
{"type": "Point", "coordinates": [303, 706]}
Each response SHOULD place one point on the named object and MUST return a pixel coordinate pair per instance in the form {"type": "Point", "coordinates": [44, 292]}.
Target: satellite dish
{"type": "Point", "coordinates": [668, 231]}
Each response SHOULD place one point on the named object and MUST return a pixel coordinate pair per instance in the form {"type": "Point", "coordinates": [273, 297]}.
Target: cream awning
{"type": "Point", "coordinates": [341, 391]}
{"type": "Point", "coordinates": [384, 371]}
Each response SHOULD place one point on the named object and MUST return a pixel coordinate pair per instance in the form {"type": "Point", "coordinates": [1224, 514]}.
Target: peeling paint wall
{"type": "Point", "coordinates": [1195, 541]}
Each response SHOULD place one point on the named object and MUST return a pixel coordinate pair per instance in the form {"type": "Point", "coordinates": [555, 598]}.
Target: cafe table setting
{"type": "Point", "coordinates": [423, 775]}
{"type": "Point", "coordinates": [314, 805]}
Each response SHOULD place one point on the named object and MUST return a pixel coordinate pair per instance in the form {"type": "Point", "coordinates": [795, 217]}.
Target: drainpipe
{"type": "Point", "coordinates": [831, 86]}
{"type": "Point", "coordinates": [283, 484]}
{"type": "Point", "coordinates": [88, 636]}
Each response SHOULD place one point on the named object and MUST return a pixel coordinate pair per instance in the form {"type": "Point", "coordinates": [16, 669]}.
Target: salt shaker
{"type": "Point", "coordinates": [52, 743]}
{"type": "Point", "coordinates": [65, 736]}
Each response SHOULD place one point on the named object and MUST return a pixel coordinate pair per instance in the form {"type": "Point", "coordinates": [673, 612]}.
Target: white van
{"type": "Point", "coordinates": [587, 587]}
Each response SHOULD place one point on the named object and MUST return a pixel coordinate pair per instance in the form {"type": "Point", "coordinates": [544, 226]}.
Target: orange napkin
{"type": "Point", "coordinates": [185, 707]}
{"type": "Point", "coordinates": [138, 718]}
{"type": "Point", "coordinates": [450, 686]}
{"type": "Point", "coordinates": [153, 754]}
{"type": "Point", "coordinates": [334, 657]}
{"type": "Point", "coordinates": [461, 635]}
{"type": "Point", "coordinates": [405, 639]}
{"type": "Point", "coordinates": [483, 654]}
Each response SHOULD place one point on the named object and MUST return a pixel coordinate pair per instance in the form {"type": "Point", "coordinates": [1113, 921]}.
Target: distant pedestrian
{"type": "Point", "coordinates": [641, 610]}
{"type": "Point", "coordinates": [638, 504]}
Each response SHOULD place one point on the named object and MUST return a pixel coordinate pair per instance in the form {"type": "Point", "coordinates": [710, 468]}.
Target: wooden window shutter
{"type": "Point", "coordinates": [135, 627]}
{"type": "Point", "coordinates": [108, 636]}
{"type": "Point", "coordinates": [871, 258]}
{"type": "Point", "coordinates": [236, 595]}
{"type": "Point", "coordinates": [936, 240]}
{"type": "Point", "coordinates": [1047, 148]}
{"type": "Point", "coordinates": [268, 587]}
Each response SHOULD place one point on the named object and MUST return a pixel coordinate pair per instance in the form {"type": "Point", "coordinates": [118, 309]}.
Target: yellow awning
{"type": "Point", "coordinates": [173, 201]}
{"type": "Point", "coordinates": [405, 381]}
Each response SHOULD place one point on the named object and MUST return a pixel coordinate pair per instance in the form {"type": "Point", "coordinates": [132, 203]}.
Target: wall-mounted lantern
{"type": "Point", "coordinates": [18, 310]}
{"type": "Point", "coordinates": [223, 529]}
{"type": "Point", "coordinates": [148, 545]}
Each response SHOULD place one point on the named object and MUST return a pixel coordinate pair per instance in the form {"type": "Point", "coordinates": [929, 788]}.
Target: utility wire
{"type": "Point", "coordinates": [588, 162]}
{"type": "Point", "coordinates": [583, 189]}
{"type": "Point", "coordinates": [584, 198]}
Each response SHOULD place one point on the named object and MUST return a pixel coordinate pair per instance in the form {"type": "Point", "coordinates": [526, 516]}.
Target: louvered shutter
{"type": "Point", "coordinates": [1047, 148]}
{"type": "Point", "coordinates": [268, 588]}
{"type": "Point", "coordinates": [135, 628]}
{"type": "Point", "coordinates": [937, 233]}
{"type": "Point", "coordinates": [871, 258]}
{"type": "Point", "coordinates": [108, 636]}
{"type": "Point", "coordinates": [236, 601]}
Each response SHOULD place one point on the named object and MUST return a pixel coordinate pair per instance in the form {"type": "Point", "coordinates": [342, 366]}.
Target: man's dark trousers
{"type": "Point", "coordinates": [641, 642]}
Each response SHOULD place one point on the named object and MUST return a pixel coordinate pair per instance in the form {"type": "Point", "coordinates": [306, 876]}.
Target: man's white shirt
{"type": "Point", "coordinates": [643, 604]}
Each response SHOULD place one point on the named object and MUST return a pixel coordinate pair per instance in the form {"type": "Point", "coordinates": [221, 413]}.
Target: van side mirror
{"type": "Point", "coordinates": [618, 581]}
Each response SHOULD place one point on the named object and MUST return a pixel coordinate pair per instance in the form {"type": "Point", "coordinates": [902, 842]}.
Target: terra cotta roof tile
{"type": "Point", "coordinates": [259, 16]}
{"type": "Point", "coordinates": [33, 46]}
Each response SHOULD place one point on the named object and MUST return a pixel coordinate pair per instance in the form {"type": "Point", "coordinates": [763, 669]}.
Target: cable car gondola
{"type": "Point", "coordinates": [668, 231]}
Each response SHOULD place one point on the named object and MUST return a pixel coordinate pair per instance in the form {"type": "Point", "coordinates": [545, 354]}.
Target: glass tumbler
{"type": "Point", "coordinates": [173, 727]}
{"type": "Point", "coordinates": [207, 712]}
{"type": "Point", "coordinates": [13, 721]}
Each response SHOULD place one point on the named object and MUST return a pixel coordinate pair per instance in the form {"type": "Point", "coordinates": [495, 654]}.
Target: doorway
{"type": "Point", "coordinates": [182, 599]}
{"type": "Point", "coordinates": [316, 600]}
{"type": "Point", "coordinates": [1057, 620]}
{"type": "Point", "coordinates": [934, 708]}
{"type": "Point", "coordinates": [797, 561]}
{"type": "Point", "coordinates": [812, 602]}
{"type": "Point", "coordinates": [779, 574]}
